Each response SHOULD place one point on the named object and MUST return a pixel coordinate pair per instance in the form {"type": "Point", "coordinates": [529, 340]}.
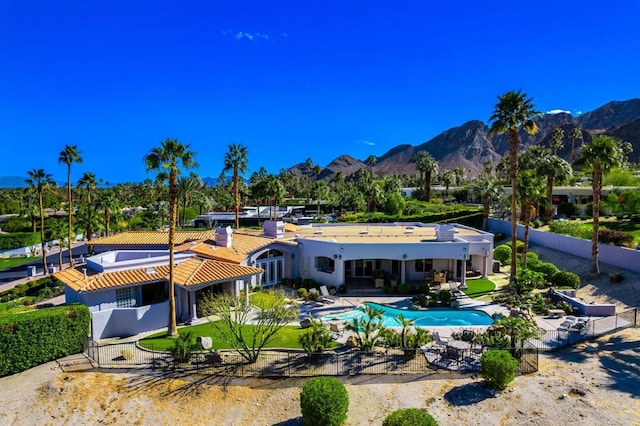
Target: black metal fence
{"type": "Point", "coordinates": [590, 329]}
{"type": "Point", "coordinates": [292, 363]}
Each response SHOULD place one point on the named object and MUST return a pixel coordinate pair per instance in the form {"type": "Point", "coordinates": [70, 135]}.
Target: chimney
{"type": "Point", "coordinates": [224, 237]}
{"type": "Point", "coordinates": [272, 228]}
{"type": "Point", "coordinates": [84, 271]}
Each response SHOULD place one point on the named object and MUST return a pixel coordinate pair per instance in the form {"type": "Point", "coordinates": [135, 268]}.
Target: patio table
{"type": "Point", "coordinates": [459, 344]}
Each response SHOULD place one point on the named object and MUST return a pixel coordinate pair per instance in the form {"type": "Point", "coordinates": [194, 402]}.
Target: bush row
{"type": "Point", "coordinates": [35, 337]}
{"type": "Point", "coordinates": [18, 239]}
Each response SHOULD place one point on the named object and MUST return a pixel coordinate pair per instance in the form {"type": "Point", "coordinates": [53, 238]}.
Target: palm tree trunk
{"type": "Point", "coordinates": [485, 214]}
{"type": "Point", "coordinates": [527, 220]}
{"type": "Point", "coordinates": [597, 186]}
{"type": "Point", "coordinates": [427, 186]}
{"type": "Point", "coordinates": [44, 254]}
{"type": "Point", "coordinates": [107, 219]}
{"type": "Point", "coordinates": [236, 196]}
{"type": "Point", "coordinates": [172, 330]}
{"type": "Point", "coordinates": [69, 212]}
{"type": "Point", "coordinates": [513, 174]}
{"type": "Point", "coordinates": [549, 209]}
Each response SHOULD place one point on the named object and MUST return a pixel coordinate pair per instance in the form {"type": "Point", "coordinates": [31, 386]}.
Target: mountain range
{"type": "Point", "coordinates": [470, 144]}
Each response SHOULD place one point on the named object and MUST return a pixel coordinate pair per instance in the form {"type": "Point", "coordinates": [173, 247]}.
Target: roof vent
{"type": "Point", "coordinates": [84, 272]}
{"type": "Point", "coordinates": [150, 271]}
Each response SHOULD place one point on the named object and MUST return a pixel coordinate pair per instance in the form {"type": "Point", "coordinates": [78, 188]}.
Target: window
{"type": "Point", "coordinates": [423, 265]}
{"type": "Point", "coordinates": [325, 264]}
{"type": "Point", "coordinates": [125, 297]}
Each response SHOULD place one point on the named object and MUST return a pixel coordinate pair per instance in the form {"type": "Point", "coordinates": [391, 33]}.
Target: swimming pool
{"type": "Point", "coordinates": [427, 318]}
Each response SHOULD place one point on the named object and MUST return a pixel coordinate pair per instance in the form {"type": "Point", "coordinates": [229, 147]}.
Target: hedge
{"type": "Point", "coordinates": [33, 338]}
{"type": "Point", "coordinates": [18, 240]}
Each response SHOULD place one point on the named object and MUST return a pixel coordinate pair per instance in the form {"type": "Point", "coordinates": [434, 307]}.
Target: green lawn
{"type": "Point", "coordinates": [287, 337]}
{"type": "Point", "coordinates": [479, 287]}
{"type": "Point", "coordinates": [15, 261]}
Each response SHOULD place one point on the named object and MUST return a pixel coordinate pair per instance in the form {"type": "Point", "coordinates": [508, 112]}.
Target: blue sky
{"type": "Point", "coordinates": [289, 80]}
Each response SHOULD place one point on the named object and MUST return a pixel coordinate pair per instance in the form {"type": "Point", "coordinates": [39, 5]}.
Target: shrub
{"type": "Point", "coordinates": [615, 277]}
{"type": "Point", "coordinates": [324, 402]}
{"type": "Point", "coordinates": [257, 288]}
{"type": "Point", "coordinates": [519, 245]}
{"type": "Point", "coordinates": [33, 338]}
{"type": "Point", "coordinates": [568, 209]}
{"type": "Point", "coordinates": [403, 289]}
{"type": "Point", "coordinates": [316, 339]}
{"type": "Point", "coordinates": [545, 268]}
{"type": "Point", "coordinates": [502, 253]}
{"type": "Point", "coordinates": [183, 348]}
{"type": "Point", "coordinates": [617, 238]}
{"type": "Point", "coordinates": [302, 293]}
{"type": "Point", "coordinates": [527, 280]}
{"type": "Point", "coordinates": [18, 239]}
{"type": "Point", "coordinates": [498, 368]}
{"type": "Point", "coordinates": [342, 289]}
{"type": "Point", "coordinates": [409, 417]}
{"type": "Point", "coordinates": [566, 279]}
{"type": "Point", "coordinates": [445, 297]}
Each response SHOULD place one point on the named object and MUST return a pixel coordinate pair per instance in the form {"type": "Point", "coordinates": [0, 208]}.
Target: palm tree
{"type": "Point", "coordinates": [187, 188]}
{"type": "Point", "coordinates": [530, 189]}
{"type": "Point", "coordinates": [447, 178]}
{"type": "Point", "coordinates": [371, 161]}
{"type": "Point", "coordinates": [39, 182]}
{"type": "Point", "coordinates": [172, 156]}
{"type": "Point", "coordinates": [236, 159]}
{"type": "Point", "coordinates": [109, 204]}
{"type": "Point", "coordinates": [320, 192]}
{"type": "Point", "coordinates": [58, 231]}
{"type": "Point", "coordinates": [488, 188]}
{"type": "Point", "coordinates": [427, 166]}
{"type": "Point", "coordinates": [576, 133]}
{"type": "Point", "coordinates": [88, 180]}
{"type": "Point", "coordinates": [30, 208]}
{"type": "Point", "coordinates": [602, 155]}
{"type": "Point", "coordinates": [69, 155]}
{"type": "Point", "coordinates": [557, 136]}
{"type": "Point", "coordinates": [513, 110]}
{"type": "Point", "coordinates": [274, 191]}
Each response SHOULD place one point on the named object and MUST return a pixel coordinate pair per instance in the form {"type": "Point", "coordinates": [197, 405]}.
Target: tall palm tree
{"type": "Point", "coordinates": [530, 189]}
{"type": "Point", "coordinates": [513, 110]}
{"type": "Point", "coordinates": [30, 208]}
{"type": "Point", "coordinates": [427, 166]}
{"type": "Point", "coordinates": [488, 188]}
{"type": "Point", "coordinates": [39, 182]}
{"type": "Point", "coordinates": [602, 155]}
{"type": "Point", "coordinates": [371, 161]}
{"type": "Point", "coordinates": [58, 231]}
{"type": "Point", "coordinates": [557, 138]}
{"type": "Point", "coordinates": [188, 186]}
{"type": "Point", "coordinates": [68, 156]}
{"type": "Point", "coordinates": [109, 204]}
{"type": "Point", "coordinates": [320, 192]}
{"type": "Point", "coordinates": [576, 133]}
{"type": "Point", "coordinates": [89, 182]}
{"type": "Point", "coordinates": [447, 178]}
{"type": "Point", "coordinates": [236, 160]}
{"type": "Point", "coordinates": [274, 191]}
{"type": "Point", "coordinates": [173, 156]}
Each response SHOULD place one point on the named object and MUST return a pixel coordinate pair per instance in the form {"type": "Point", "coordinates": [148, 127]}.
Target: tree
{"type": "Point", "coordinates": [557, 138]}
{"type": "Point", "coordinates": [58, 231]}
{"type": "Point", "coordinates": [487, 187]}
{"type": "Point", "coordinates": [89, 182]}
{"type": "Point", "coordinates": [188, 186]}
{"type": "Point", "coordinates": [30, 208]}
{"type": "Point", "coordinates": [530, 189]}
{"type": "Point", "coordinates": [513, 110]}
{"type": "Point", "coordinates": [172, 156]}
{"type": "Point", "coordinates": [39, 182]}
{"type": "Point", "coordinates": [109, 204]}
{"type": "Point", "coordinates": [368, 327]}
{"type": "Point", "coordinates": [371, 161]}
{"type": "Point", "coordinates": [575, 134]}
{"type": "Point", "coordinates": [236, 322]}
{"type": "Point", "coordinates": [600, 156]}
{"type": "Point", "coordinates": [447, 178]}
{"type": "Point", "coordinates": [236, 160]}
{"type": "Point", "coordinates": [519, 331]}
{"type": "Point", "coordinates": [274, 191]}
{"type": "Point", "coordinates": [427, 166]}
{"type": "Point", "coordinates": [68, 156]}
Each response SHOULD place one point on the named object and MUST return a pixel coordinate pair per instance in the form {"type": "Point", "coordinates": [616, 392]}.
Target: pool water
{"type": "Point", "coordinates": [427, 318]}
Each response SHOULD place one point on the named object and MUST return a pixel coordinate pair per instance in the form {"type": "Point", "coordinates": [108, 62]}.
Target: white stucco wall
{"type": "Point", "coordinates": [122, 322]}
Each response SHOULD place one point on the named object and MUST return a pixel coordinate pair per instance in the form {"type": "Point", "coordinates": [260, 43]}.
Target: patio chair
{"type": "Point", "coordinates": [439, 340]}
{"type": "Point", "coordinates": [326, 296]}
{"type": "Point", "coordinates": [336, 330]}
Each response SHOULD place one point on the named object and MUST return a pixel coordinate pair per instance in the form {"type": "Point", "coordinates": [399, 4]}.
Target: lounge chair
{"type": "Point", "coordinates": [326, 296]}
{"type": "Point", "coordinates": [439, 340]}
{"type": "Point", "coordinates": [336, 330]}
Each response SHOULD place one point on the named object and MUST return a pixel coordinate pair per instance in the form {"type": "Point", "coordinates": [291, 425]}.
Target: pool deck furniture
{"type": "Point", "coordinates": [556, 313]}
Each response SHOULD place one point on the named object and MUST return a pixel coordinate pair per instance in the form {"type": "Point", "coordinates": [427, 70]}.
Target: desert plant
{"type": "Point", "coordinates": [527, 280]}
{"type": "Point", "coordinates": [324, 401]}
{"type": "Point", "coordinates": [302, 293]}
{"type": "Point", "coordinates": [498, 368]}
{"type": "Point", "coordinates": [316, 339]}
{"type": "Point", "coordinates": [183, 348]}
{"type": "Point", "coordinates": [445, 297]}
{"type": "Point", "coordinates": [409, 417]}
{"type": "Point", "coordinates": [368, 328]}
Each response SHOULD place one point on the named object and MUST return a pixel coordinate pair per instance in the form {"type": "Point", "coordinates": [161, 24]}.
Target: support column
{"type": "Point", "coordinates": [485, 267]}
{"type": "Point", "coordinates": [403, 268]}
{"type": "Point", "coordinates": [192, 305]}
{"type": "Point", "coordinates": [246, 292]}
{"type": "Point", "coordinates": [463, 273]}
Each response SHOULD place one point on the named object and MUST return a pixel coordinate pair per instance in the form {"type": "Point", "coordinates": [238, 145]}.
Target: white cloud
{"type": "Point", "coordinates": [370, 143]}
{"type": "Point", "coordinates": [244, 35]}
{"type": "Point", "coordinates": [558, 111]}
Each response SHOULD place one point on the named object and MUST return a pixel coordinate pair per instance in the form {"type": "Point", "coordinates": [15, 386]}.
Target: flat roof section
{"type": "Point", "coordinates": [376, 233]}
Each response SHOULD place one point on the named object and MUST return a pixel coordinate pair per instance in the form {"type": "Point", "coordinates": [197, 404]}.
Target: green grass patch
{"type": "Point", "coordinates": [286, 337]}
{"type": "Point", "coordinates": [479, 287]}
{"type": "Point", "coordinates": [10, 262]}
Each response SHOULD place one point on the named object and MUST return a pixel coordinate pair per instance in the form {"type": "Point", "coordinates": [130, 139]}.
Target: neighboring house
{"type": "Point", "coordinates": [125, 285]}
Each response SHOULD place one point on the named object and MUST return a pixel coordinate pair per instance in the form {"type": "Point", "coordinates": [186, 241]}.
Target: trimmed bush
{"type": "Point", "coordinates": [409, 417]}
{"type": "Point", "coordinates": [19, 239]}
{"type": "Point", "coordinates": [33, 338]}
{"type": "Point", "coordinates": [549, 270]}
{"type": "Point", "coordinates": [566, 279]}
{"type": "Point", "coordinates": [498, 368]}
{"type": "Point", "coordinates": [616, 238]}
{"type": "Point", "coordinates": [502, 254]}
{"type": "Point", "coordinates": [324, 401]}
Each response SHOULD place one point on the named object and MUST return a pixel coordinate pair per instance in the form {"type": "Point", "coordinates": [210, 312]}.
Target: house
{"type": "Point", "coordinates": [125, 283]}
